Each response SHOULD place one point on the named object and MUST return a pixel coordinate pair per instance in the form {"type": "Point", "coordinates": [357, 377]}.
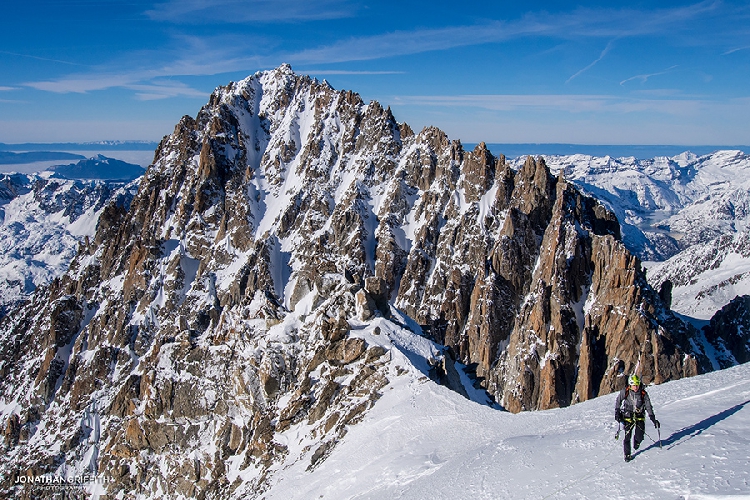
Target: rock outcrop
{"type": "Point", "coordinates": [590, 317]}
{"type": "Point", "coordinates": [729, 332]}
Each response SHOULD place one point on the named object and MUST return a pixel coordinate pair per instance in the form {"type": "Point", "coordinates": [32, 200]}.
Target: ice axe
{"type": "Point", "coordinates": [658, 433]}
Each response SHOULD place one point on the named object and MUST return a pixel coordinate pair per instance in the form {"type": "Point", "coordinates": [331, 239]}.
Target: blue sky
{"type": "Point", "coordinates": [501, 72]}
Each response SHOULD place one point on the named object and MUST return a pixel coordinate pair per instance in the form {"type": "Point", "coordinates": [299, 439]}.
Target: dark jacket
{"type": "Point", "coordinates": [630, 404]}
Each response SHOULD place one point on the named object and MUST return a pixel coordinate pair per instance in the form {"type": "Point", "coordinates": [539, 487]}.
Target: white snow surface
{"type": "Point", "coordinates": [41, 225]}
{"type": "Point", "coordinates": [665, 202]}
{"type": "Point", "coordinates": [706, 277]}
{"type": "Point", "coordinates": [423, 441]}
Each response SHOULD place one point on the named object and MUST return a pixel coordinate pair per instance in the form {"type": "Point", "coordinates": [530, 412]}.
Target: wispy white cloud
{"type": "Point", "coordinates": [187, 56]}
{"type": "Point", "coordinates": [584, 119]}
{"type": "Point", "coordinates": [84, 83]}
{"type": "Point", "coordinates": [658, 92]}
{"type": "Point", "coordinates": [244, 11]}
{"type": "Point", "coordinates": [732, 51]}
{"type": "Point", "coordinates": [570, 103]}
{"type": "Point", "coordinates": [580, 23]}
{"type": "Point", "coordinates": [146, 85]}
{"type": "Point", "coordinates": [200, 56]}
{"type": "Point", "coordinates": [632, 22]}
{"type": "Point", "coordinates": [400, 43]}
{"type": "Point", "coordinates": [164, 90]}
{"type": "Point", "coordinates": [644, 78]}
{"type": "Point", "coordinates": [8, 89]}
{"type": "Point", "coordinates": [323, 72]}
{"type": "Point", "coordinates": [601, 56]}
{"type": "Point", "coordinates": [38, 58]}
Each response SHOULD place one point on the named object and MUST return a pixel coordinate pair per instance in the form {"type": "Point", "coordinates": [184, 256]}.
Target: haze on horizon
{"type": "Point", "coordinates": [592, 72]}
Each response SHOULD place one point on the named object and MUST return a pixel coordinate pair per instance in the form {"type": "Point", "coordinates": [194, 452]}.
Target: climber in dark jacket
{"type": "Point", "coordinates": [630, 408]}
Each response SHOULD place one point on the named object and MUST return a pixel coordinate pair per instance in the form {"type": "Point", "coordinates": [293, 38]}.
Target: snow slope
{"type": "Point", "coordinates": [706, 277]}
{"type": "Point", "coordinates": [422, 441]}
{"type": "Point", "coordinates": [42, 221]}
{"type": "Point", "coordinates": [666, 204]}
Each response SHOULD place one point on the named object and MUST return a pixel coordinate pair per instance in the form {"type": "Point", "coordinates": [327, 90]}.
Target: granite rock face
{"type": "Point", "coordinates": [729, 332]}
{"type": "Point", "coordinates": [236, 317]}
{"type": "Point", "coordinates": [589, 318]}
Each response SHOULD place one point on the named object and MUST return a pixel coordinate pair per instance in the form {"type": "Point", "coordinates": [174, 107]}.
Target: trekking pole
{"type": "Point", "coordinates": [617, 436]}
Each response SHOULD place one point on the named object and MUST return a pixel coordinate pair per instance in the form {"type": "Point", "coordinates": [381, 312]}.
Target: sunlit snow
{"type": "Point", "coordinates": [423, 441]}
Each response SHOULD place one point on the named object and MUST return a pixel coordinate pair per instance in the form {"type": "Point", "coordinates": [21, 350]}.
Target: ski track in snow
{"type": "Point", "coordinates": [422, 441]}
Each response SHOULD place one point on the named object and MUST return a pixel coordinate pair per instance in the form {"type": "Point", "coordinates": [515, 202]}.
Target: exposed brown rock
{"type": "Point", "coordinates": [729, 331]}
{"type": "Point", "coordinates": [335, 329]}
{"type": "Point", "coordinates": [365, 305]}
{"type": "Point", "coordinates": [346, 351]}
{"type": "Point", "coordinates": [542, 367]}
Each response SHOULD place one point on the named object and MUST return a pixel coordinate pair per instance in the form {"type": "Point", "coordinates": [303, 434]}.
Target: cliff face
{"type": "Point", "coordinates": [728, 332]}
{"type": "Point", "coordinates": [589, 318]}
{"type": "Point", "coordinates": [252, 302]}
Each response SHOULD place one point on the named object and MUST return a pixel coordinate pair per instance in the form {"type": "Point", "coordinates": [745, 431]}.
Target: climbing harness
{"type": "Point", "coordinates": [634, 419]}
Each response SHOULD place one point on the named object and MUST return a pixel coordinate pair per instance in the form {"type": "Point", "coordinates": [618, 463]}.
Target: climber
{"type": "Point", "coordinates": [630, 408]}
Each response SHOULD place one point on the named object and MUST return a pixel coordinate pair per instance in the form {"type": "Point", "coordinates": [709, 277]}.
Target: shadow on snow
{"type": "Point", "coordinates": [698, 428]}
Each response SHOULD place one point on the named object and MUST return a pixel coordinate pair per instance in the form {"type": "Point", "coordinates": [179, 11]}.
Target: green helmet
{"type": "Point", "coordinates": [634, 380]}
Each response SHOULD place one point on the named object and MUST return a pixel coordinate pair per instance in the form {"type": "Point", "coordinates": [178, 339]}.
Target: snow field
{"type": "Point", "coordinates": [423, 441]}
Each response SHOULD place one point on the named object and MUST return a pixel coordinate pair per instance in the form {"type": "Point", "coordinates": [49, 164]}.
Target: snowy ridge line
{"type": "Point", "coordinates": [711, 393]}
{"type": "Point", "coordinates": [573, 446]}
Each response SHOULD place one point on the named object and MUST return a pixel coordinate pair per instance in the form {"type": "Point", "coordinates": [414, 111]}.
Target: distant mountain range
{"type": "Point", "coordinates": [639, 151]}
{"type": "Point", "coordinates": [99, 167]}
{"type": "Point", "coordinates": [10, 158]}
{"type": "Point", "coordinates": [81, 146]}
{"type": "Point", "coordinates": [666, 205]}
{"type": "Point", "coordinates": [42, 221]}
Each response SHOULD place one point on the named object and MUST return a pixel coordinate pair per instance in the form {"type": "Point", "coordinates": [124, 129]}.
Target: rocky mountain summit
{"type": "Point", "coordinates": [290, 252]}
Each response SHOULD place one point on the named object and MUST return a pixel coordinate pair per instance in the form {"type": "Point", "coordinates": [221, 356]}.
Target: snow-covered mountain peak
{"type": "Point", "coordinates": [292, 255]}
